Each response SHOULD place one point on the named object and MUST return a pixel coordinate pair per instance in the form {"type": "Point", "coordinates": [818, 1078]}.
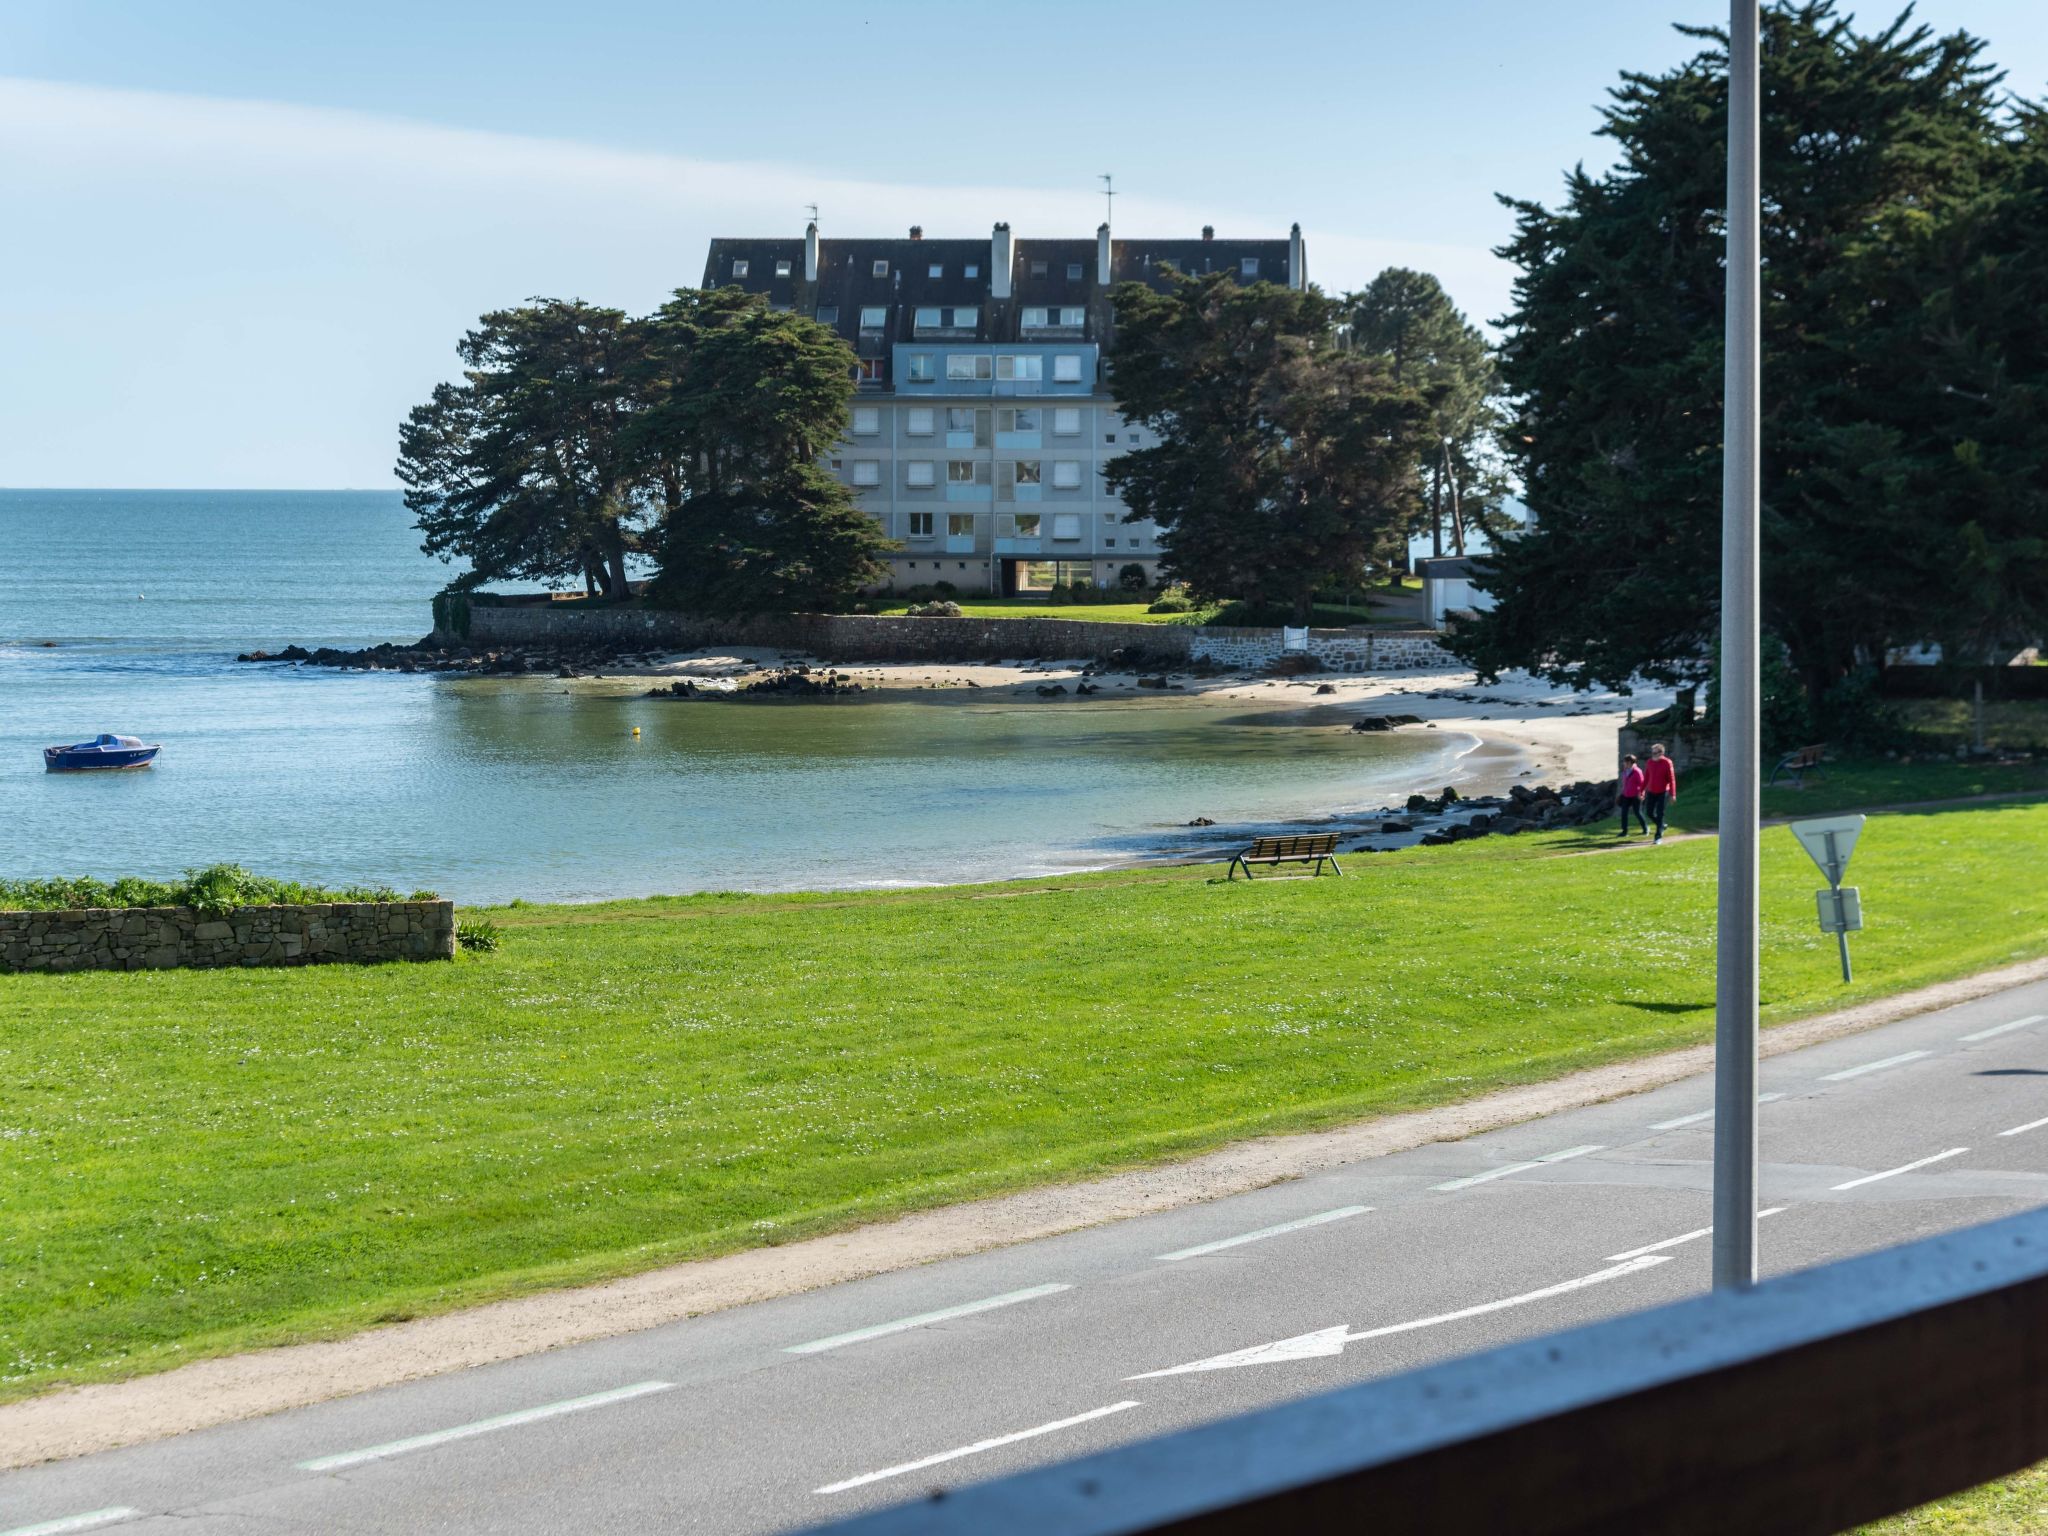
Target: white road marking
{"type": "Point", "coordinates": [1872, 1178]}
{"type": "Point", "coordinates": [976, 1448]}
{"type": "Point", "coordinates": [482, 1427]}
{"type": "Point", "coordinates": [2001, 1029]}
{"type": "Point", "coordinates": [1673, 1242]}
{"type": "Point", "coordinates": [2031, 1125]}
{"type": "Point", "coordinates": [944, 1314]}
{"type": "Point", "coordinates": [1264, 1232]}
{"type": "Point", "coordinates": [1708, 1114]}
{"type": "Point", "coordinates": [1501, 1173]}
{"type": "Point", "coordinates": [89, 1520]}
{"type": "Point", "coordinates": [1331, 1341]}
{"type": "Point", "coordinates": [1874, 1066]}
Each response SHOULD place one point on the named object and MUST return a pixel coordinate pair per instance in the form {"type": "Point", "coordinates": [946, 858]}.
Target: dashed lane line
{"type": "Point", "coordinates": [2005, 1029]}
{"type": "Point", "coordinates": [921, 1319]}
{"type": "Point", "coordinates": [483, 1427]}
{"type": "Point", "coordinates": [1707, 1114]}
{"type": "Point", "coordinates": [977, 1448]}
{"type": "Point", "coordinates": [1683, 1237]}
{"type": "Point", "coordinates": [1501, 1173]}
{"type": "Point", "coordinates": [1872, 1178]}
{"type": "Point", "coordinates": [1264, 1232]}
{"type": "Point", "coordinates": [2020, 1130]}
{"type": "Point", "coordinates": [91, 1520]}
{"type": "Point", "coordinates": [1874, 1066]}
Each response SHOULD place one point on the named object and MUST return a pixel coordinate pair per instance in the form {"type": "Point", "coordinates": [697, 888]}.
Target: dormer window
{"type": "Point", "coordinates": [881, 269]}
{"type": "Point", "coordinates": [782, 269]}
{"type": "Point", "coordinates": [971, 272]}
{"type": "Point", "coordinates": [1073, 271]}
{"type": "Point", "coordinates": [874, 317]}
{"type": "Point", "coordinates": [1038, 269]}
{"type": "Point", "coordinates": [936, 270]}
{"type": "Point", "coordinates": [739, 269]}
{"type": "Point", "coordinates": [1248, 267]}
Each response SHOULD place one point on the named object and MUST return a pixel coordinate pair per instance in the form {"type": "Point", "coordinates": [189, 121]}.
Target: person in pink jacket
{"type": "Point", "coordinates": [1630, 798]}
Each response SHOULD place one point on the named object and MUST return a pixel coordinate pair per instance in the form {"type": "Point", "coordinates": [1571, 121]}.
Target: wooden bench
{"type": "Point", "coordinates": [1797, 764]}
{"type": "Point", "coordinates": [1317, 848]}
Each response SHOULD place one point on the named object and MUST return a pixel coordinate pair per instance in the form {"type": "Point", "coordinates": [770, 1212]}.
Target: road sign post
{"type": "Point", "coordinates": [1828, 841]}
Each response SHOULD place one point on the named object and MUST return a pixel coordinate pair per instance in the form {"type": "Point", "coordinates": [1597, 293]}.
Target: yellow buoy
{"type": "Point", "coordinates": [636, 730]}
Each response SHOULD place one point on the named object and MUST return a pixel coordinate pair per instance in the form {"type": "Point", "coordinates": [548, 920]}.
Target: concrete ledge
{"type": "Point", "coordinates": [165, 938]}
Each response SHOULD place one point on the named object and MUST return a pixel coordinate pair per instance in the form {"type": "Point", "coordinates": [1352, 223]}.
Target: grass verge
{"type": "Point", "coordinates": [201, 1161]}
{"type": "Point", "coordinates": [2012, 1506]}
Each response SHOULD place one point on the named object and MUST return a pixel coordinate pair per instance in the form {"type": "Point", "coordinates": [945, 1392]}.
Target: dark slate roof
{"type": "Point", "coordinates": [1040, 268]}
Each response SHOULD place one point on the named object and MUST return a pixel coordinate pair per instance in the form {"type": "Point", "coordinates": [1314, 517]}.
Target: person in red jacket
{"type": "Point", "coordinates": [1629, 794]}
{"type": "Point", "coordinates": [1660, 788]}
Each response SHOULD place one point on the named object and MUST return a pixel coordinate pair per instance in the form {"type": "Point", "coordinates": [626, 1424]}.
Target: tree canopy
{"type": "Point", "coordinates": [579, 436]}
{"type": "Point", "coordinates": [1901, 449]}
{"type": "Point", "coordinates": [1285, 463]}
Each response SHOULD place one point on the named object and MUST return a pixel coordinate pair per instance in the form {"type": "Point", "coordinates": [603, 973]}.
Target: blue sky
{"type": "Point", "coordinates": [242, 239]}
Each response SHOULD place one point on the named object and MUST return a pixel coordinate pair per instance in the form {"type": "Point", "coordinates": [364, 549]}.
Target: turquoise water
{"type": "Point", "coordinates": [485, 789]}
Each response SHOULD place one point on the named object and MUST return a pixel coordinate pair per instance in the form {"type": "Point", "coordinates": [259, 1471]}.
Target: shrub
{"type": "Point", "coordinates": [1174, 599]}
{"type": "Point", "coordinates": [476, 934]}
{"type": "Point", "coordinates": [937, 608]}
{"type": "Point", "coordinates": [216, 890]}
{"type": "Point", "coordinates": [1132, 578]}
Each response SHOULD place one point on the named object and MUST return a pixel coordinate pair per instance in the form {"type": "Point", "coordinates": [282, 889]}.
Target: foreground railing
{"type": "Point", "coordinates": [1806, 1405]}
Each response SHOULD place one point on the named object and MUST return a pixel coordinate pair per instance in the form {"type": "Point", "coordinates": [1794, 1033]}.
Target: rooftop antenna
{"type": "Point", "coordinates": [1108, 197]}
{"type": "Point", "coordinates": [813, 208]}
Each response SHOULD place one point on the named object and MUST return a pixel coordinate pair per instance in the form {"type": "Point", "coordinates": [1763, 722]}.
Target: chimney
{"type": "Point", "coordinates": [811, 251]}
{"type": "Point", "coordinates": [1208, 231]}
{"type": "Point", "coordinates": [999, 262]}
{"type": "Point", "coordinates": [917, 231]}
{"type": "Point", "coordinates": [1102, 254]}
{"type": "Point", "coordinates": [1297, 260]}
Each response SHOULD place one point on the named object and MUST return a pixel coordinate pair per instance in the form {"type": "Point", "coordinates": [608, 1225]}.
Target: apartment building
{"type": "Point", "coordinates": [983, 418]}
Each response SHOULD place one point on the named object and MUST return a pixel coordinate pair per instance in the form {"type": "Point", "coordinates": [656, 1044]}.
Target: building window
{"type": "Point", "coordinates": [1024, 419]}
{"type": "Point", "coordinates": [1027, 525]}
{"type": "Point", "coordinates": [782, 269]}
{"type": "Point", "coordinates": [870, 370]}
{"type": "Point", "coordinates": [739, 269]}
{"type": "Point", "coordinates": [1248, 267]}
{"type": "Point", "coordinates": [874, 317]}
{"type": "Point", "coordinates": [881, 269]}
{"type": "Point", "coordinates": [1066, 368]}
{"type": "Point", "coordinates": [959, 471]}
{"type": "Point", "coordinates": [1066, 525]}
{"type": "Point", "coordinates": [867, 471]}
{"type": "Point", "coordinates": [1109, 437]}
{"type": "Point", "coordinates": [936, 270]}
{"type": "Point", "coordinates": [919, 421]}
{"type": "Point", "coordinates": [933, 318]}
{"type": "Point", "coordinates": [971, 271]}
{"type": "Point", "coordinates": [959, 418]}
{"type": "Point", "coordinates": [1029, 472]}
{"type": "Point", "coordinates": [967, 365]}
{"type": "Point", "coordinates": [828, 314]}
{"type": "Point", "coordinates": [1033, 319]}
{"type": "Point", "coordinates": [918, 472]}
{"type": "Point", "coordinates": [1038, 269]}
{"type": "Point", "coordinates": [1019, 366]}
{"type": "Point", "coordinates": [867, 421]}
{"type": "Point", "coordinates": [920, 526]}
{"type": "Point", "coordinates": [920, 368]}
{"type": "Point", "coordinates": [1073, 317]}
{"type": "Point", "coordinates": [960, 525]}
{"type": "Point", "coordinates": [1073, 271]}
{"type": "Point", "coordinates": [1066, 475]}
{"type": "Point", "coordinates": [1132, 436]}
{"type": "Point", "coordinates": [1066, 421]}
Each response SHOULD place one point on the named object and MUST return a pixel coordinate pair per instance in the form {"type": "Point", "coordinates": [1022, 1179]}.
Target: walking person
{"type": "Point", "coordinates": [1660, 788]}
{"type": "Point", "coordinates": [1630, 797]}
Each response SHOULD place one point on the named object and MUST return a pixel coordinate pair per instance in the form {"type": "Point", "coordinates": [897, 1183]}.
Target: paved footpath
{"type": "Point", "coordinates": [798, 1410]}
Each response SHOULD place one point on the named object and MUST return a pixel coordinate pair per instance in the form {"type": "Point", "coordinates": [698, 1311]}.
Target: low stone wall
{"type": "Point", "coordinates": [163, 938]}
{"type": "Point", "coordinates": [863, 637]}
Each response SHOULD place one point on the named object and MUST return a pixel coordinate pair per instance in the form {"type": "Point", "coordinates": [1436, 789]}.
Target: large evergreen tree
{"type": "Point", "coordinates": [1285, 464]}
{"type": "Point", "coordinates": [523, 469]}
{"type": "Point", "coordinates": [1406, 318]}
{"type": "Point", "coordinates": [1613, 356]}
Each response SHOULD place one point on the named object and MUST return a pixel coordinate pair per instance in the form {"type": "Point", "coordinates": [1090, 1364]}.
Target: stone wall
{"type": "Point", "coordinates": [157, 938]}
{"type": "Point", "coordinates": [859, 637]}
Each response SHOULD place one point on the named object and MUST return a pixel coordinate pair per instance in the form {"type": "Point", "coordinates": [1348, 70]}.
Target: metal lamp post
{"type": "Point", "coordinates": [1737, 691]}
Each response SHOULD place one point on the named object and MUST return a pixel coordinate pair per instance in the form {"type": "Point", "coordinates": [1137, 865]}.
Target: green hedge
{"type": "Point", "coordinates": [217, 889]}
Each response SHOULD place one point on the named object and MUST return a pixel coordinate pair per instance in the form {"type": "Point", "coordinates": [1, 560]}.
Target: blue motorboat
{"type": "Point", "coordinates": [102, 752]}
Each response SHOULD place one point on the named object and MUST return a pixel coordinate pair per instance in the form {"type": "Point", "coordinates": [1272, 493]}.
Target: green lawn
{"type": "Point", "coordinates": [2013, 1506]}
{"type": "Point", "coordinates": [200, 1161]}
{"type": "Point", "coordinates": [1866, 782]}
{"type": "Point", "coordinates": [1038, 608]}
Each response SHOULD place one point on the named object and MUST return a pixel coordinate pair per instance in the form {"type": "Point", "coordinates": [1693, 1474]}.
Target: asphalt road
{"type": "Point", "coordinates": [798, 1410]}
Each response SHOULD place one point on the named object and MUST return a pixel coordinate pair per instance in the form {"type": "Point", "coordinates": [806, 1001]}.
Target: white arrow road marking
{"type": "Point", "coordinates": [944, 1314]}
{"type": "Point", "coordinates": [1873, 1066]}
{"type": "Point", "coordinates": [482, 1426]}
{"type": "Point", "coordinates": [2000, 1029]}
{"type": "Point", "coordinates": [1331, 1341]}
{"type": "Point", "coordinates": [1264, 1232]}
{"type": "Point", "coordinates": [976, 1448]}
{"type": "Point", "coordinates": [1872, 1178]}
{"type": "Point", "coordinates": [1501, 1173]}
{"type": "Point", "coordinates": [90, 1520]}
{"type": "Point", "coordinates": [1673, 1242]}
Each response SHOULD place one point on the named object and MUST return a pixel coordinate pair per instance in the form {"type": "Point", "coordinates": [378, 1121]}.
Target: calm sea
{"type": "Point", "coordinates": [123, 611]}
